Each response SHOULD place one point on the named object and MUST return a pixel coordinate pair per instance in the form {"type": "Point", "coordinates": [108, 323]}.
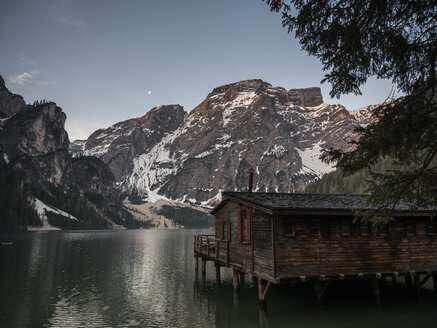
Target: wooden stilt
{"type": "Point", "coordinates": [217, 273]}
{"type": "Point", "coordinates": [196, 263]}
{"type": "Point", "coordinates": [318, 293]}
{"type": "Point", "coordinates": [416, 281]}
{"type": "Point", "coordinates": [408, 281]}
{"type": "Point", "coordinates": [263, 288]}
{"type": "Point", "coordinates": [203, 267]}
{"type": "Point", "coordinates": [242, 279]}
{"type": "Point", "coordinates": [320, 288]}
{"type": "Point", "coordinates": [374, 285]}
{"type": "Point", "coordinates": [434, 279]}
{"type": "Point", "coordinates": [394, 278]}
{"type": "Point", "coordinates": [236, 281]}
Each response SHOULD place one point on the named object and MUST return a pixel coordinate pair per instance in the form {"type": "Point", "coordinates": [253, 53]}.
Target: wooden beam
{"type": "Point", "coordinates": [217, 273]}
{"type": "Point", "coordinates": [319, 290]}
{"type": "Point", "coordinates": [374, 285]}
{"type": "Point", "coordinates": [263, 288]}
{"type": "Point", "coordinates": [203, 266]}
{"type": "Point", "coordinates": [236, 281]}
{"type": "Point", "coordinates": [241, 279]}
{"type": "Point", "coordinates": [420, 283]}
{"type": "Point", "coordinates": [408, 281]}
{"type": "Point", "coordinates": [434, 279]}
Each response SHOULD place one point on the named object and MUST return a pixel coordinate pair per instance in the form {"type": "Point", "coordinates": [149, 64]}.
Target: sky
{"type": "Point", "coordinates": [105, 61]}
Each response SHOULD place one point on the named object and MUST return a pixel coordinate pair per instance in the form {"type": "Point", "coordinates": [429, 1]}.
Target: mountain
{"type": "Point", "coordinates": [38, 170]}
{"type": "Point", "coordinates": [191, 157]}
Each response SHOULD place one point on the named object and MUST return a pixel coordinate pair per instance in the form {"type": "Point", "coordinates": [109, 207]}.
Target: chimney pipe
{"type": "Point", "coordinates": [250, 181]}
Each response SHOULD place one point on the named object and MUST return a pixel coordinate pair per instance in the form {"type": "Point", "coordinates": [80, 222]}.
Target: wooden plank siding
{"type": "Point", "coordinates": [273, 255]}
{"type": "Point", "coordinates": [262, 244]}
{"type": "Point", "coordinates": [331, 254]}
{"type": "Point", "coordinates": [240, 253]}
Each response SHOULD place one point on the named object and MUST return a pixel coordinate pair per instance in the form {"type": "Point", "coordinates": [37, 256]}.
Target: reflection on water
{"type": "Point", "coordinates": [146, 278]}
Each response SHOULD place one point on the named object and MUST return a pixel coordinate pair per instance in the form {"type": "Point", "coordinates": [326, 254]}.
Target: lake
{"type": "Point", "coordinates": [146, 278]}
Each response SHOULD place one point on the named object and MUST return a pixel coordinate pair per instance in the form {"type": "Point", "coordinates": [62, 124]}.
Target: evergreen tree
{"type": "Point", "coordinates": [392, 40]}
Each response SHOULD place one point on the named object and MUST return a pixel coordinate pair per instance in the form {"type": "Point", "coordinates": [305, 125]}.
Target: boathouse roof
{"type": "Point", "coordinates": [284, 202]}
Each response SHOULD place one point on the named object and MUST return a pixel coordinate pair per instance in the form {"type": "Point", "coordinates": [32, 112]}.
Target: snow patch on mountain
{"type": "Point", "coordinates": [311, 163]}
{"type": "Point", "coordinates": [41, 208]}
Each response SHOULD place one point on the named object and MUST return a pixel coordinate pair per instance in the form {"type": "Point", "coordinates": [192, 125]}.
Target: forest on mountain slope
{"type": "Point", "coordinates": [337, 183]}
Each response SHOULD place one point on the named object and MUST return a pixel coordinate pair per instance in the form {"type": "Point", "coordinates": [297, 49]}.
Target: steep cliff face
{"type": "Point", "coordinates": [34, 139]}
{"type": "Point", "coordinates": [10, 103]}
{"type": "Point", "coordinates": [243, 125]}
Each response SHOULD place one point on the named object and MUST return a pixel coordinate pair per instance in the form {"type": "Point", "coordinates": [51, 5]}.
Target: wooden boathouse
{"type": "Point", "coordinates": [284, 237]}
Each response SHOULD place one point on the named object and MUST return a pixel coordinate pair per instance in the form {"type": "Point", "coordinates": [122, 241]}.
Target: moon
{"type": "Point", "coordinates": [149, 92]}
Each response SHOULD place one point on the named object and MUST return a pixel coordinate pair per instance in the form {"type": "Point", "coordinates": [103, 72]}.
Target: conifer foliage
{"type": "Point", "coordinates": [394, 40]}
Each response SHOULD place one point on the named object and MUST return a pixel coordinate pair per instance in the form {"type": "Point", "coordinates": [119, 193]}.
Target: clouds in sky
{"type": "Point", "coordinates": [23, 78]}
{"type": "Point", "coordinates": [27, 77]}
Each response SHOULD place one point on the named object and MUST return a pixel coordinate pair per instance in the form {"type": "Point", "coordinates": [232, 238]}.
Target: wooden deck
{"type": "Point", "coordinates": [210, 248]}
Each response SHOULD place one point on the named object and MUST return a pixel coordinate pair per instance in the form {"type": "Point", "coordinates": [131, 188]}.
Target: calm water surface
{"type": "Point", "coordinates": [146, 278]}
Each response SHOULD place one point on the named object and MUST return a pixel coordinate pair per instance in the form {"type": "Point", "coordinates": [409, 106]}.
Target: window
{"type": "Point", "coordinates": [430, 226]}
{"type": "Point", "coordinates": [244, 226]}
{"type": "Point", "coordinates": [383, 229]}
{"type": "Point", "coordinates": [288, 226]}
{"type": "Point", "coordinates": [315, 227]}
{"type": "Point", "coordinates": [345, 227]}
{"type": "Point", "coordinates": [410, 227]}
{"type": "Point", "coordinates": [364, 229]}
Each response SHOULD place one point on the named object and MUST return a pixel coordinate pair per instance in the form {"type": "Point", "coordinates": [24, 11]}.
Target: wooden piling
{"type": "Point", "coordinates": [242, 279]}
{"type": "Point", "coordinates": [408, 281]}
{"type": "Point", "coordinates": [318, 293]}
{"type": "Point", "coordinates": [203, 267]}
{"type": "Point", "coordinates": [374, 285]}
{"type": "Point", "coordinates": [434, 280]}
{"type": "Point", "coordinates": [236, 281]}
{"type": "Point", "coordinates": [217, 273]}
{"type": "Point", "coordinates": [263, 288]}
{"type": "Point", "coordinates": [196, 263]}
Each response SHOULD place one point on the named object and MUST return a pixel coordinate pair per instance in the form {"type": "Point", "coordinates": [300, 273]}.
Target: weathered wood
{"type": "Point", "coordinates": [408, 281]}
{"type": "Point", "coordinates": [196, 264]}
{"type": "Point", "coordinates": [304, 255]}
{"type": "Point", "coordinates": [241, 279]}
{"type": "Point", "coordinates": [320, 288]}
{"type": "Point", "coordinates": [217, 273]}
{"type": "Point", "coordinates": [374, 285]}
{"type": "Point", "coordinates": [236, 281]}
{"type": "Point", "coordinates": [263, 288]}
{"type": "Point", "coordinates": [434, 280]}
{"type": "Point", "coordinates": [203, 266]}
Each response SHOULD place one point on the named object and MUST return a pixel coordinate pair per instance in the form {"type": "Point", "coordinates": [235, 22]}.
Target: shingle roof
{"type": "Point", "coordinates": [317, 202]}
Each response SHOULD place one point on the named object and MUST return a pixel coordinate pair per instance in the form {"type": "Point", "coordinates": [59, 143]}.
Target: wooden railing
{"type": "Point", "coordinates": [211, 248]}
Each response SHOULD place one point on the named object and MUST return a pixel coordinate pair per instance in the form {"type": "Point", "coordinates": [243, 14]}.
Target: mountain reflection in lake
{"type": "Point", "coordinates": [146, 278]}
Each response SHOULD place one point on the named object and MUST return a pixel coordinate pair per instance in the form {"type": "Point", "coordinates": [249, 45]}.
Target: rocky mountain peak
{"type": "Point", "coordinates": [307, 97]}
{"type": "Point", "coordinates": [10, 103]}
{"type": "Point", "coordinates": [254, 85]}
{"type": "Point", "coordinates": [238, 126]}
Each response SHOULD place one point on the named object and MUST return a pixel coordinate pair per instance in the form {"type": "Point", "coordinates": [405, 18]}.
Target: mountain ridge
{"type": "Point", "coordinates": [239, 125]}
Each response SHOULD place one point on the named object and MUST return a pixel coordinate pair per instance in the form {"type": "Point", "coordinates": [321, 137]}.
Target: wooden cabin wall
{"type": "Point", "coordinates": [240, 254]}
{"type": "Point", "coordinates": [331, 254]}
{"type": "Point", "coordinates": [262, 244]}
